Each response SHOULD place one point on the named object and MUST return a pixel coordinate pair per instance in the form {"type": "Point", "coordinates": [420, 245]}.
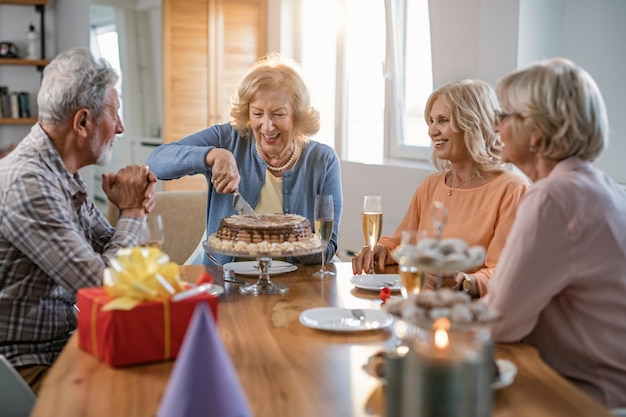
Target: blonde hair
{"type": "Point", "coordinates": [563, 102]}
{"type": "Point", "coordinates": [472, 105]}
{"type": "Point", "coordinates": [273, 71]}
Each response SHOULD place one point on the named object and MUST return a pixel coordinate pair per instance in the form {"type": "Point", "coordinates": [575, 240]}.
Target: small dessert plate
{"type": "Point", "coordinates": [337, 319]}
{"type": "Point", "coordinates": [375, 282]}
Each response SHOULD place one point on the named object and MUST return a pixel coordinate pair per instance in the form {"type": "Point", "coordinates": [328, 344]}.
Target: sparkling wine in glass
{"type": "Point", "coordinates": [372, 223]}
{"type": "Point", "coordinates": [407, 255]}
{"type": "Point", "coordinates": [324, 221]}
{"type": "Point", "coordinates": [152, 234]}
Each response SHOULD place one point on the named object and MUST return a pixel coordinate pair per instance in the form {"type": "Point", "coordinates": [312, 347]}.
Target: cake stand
{"type": "Point", "coordinates": [264, 285]}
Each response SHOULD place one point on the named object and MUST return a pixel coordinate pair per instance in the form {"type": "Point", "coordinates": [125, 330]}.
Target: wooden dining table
{"type": "Point", "coordinates": [287, 369]}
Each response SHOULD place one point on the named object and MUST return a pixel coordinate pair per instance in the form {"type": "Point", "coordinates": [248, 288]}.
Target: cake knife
{"type": "Point", "coordinates": [242, 206]}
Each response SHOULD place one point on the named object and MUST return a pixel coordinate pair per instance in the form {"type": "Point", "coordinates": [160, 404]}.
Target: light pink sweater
{"type": "Point", "coordinates": [561, 279]}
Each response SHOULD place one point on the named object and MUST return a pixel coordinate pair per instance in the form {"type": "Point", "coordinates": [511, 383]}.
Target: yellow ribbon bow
{"type": "Point", "coordinates": [140, 274]}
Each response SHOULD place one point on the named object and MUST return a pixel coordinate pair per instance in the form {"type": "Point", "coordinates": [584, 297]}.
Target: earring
{"type": "Point", "coordinates": [532, 149]}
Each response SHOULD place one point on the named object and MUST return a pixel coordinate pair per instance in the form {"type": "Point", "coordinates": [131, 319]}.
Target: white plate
{"type": "Point", "coordinates": [508, 370]}
{"type": "Point", "coordinates": [375, 282]}
{"type": "Point", "coordinates": [251, 267]}
{"type": "Point", "coordinates": [337, 319]}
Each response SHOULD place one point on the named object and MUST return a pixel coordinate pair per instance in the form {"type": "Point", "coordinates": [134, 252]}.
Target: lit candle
{"type": "Point", "coordinates": [434, 380]}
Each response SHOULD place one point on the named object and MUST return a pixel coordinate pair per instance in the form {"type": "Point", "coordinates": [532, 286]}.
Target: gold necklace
{"type": "Point", "coordinates": [451, 188]}
{"type": "Point", "coordinates": [283, 167]}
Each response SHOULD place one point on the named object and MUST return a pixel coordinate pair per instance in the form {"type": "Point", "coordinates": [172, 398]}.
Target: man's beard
{"type": "Point", "coordinates": [104, 151]}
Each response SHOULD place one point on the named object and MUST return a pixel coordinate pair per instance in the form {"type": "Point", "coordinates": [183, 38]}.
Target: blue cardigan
{"type": "Point", "coordinates": [317, 171]}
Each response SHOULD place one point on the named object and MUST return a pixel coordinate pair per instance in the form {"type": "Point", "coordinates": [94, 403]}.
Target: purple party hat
{"type": "Point", "coordinates": [203, 382]}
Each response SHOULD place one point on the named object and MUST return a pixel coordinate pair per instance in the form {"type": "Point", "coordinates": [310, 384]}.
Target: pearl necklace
{"type": "Point", "coordinates": [460, 185]}
{"type": "Point", "coordinates": [296, 148]}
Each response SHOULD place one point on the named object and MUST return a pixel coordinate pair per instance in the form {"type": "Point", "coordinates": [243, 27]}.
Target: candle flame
{"type": "Point", "coordinates": [441, 327]}
{"type": "Point", "coordinates": [441, 339]}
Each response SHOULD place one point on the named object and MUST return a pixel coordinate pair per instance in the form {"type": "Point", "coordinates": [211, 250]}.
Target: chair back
{"type": "Point", "coordinates": [16, 397]}
{"type": "Point", "coordinates": [184, 221]}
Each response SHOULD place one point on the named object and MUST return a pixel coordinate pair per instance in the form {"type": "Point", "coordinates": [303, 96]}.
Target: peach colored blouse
{"type": "Point", "coordinates": [480, 216]}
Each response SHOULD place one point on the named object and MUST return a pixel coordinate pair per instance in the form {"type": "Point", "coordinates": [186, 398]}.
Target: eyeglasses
{"type": "Point", "coordinates": [500, 116]}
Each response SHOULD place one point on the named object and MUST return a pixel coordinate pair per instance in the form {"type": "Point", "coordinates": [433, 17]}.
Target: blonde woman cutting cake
{"type": "Point", "coordinates": [265, 152]}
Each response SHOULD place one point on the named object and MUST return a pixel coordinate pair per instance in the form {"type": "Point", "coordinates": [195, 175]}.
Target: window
{"type": "Point", "coordinates": [368, 63]}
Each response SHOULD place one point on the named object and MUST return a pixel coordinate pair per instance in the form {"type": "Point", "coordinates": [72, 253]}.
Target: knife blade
{"type": "Point", "coordinates": [242, 206]}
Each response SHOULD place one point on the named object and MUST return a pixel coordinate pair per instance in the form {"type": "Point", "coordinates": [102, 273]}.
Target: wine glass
{"type": "Point", "coordinates": [406, 255]}
{"type": "Point", "coordinates": [324, 221]}
{"type": "Point", "coordinates": [372, 223]}
{"type": "Point", "coordinates": [152, 234]}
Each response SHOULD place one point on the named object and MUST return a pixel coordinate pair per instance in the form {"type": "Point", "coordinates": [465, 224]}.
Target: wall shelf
{"type": "Point", "coordinates": [18, 121]}
{"type": "Point", "coordinates": [23, 61]}
{"type": "Point", "coordinates": [31, 2]}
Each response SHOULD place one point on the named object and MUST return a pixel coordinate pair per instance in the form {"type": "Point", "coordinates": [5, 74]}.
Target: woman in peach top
{"type": "Point", "coordinates": [480, 194]}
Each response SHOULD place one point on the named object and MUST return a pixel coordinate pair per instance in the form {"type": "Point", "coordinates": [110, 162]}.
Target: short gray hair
{"type": "Point", "coordinates": [74, 80]}
{"type": "Point", "coordinates": [563, 102]}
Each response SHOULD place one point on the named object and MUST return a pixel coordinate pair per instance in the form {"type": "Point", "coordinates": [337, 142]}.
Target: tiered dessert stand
{"type": "Point", "coordinates": [428, 255]}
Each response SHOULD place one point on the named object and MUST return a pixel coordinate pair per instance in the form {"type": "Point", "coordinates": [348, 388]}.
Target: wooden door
{"type": "Point", "coordinates": [207, 46]}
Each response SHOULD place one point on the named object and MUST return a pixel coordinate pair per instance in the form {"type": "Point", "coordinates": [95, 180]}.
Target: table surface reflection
{"type": "Point", "coordinates": [287, 369]}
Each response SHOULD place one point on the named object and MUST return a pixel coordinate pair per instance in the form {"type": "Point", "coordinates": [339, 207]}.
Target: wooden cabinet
{"type": "Point", "coordinates": [207, 47]}
{"type": "Point", "coordinates": [38, 64]}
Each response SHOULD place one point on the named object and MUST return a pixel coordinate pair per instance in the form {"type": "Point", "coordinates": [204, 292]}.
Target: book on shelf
{"type": "Point", "coordinates": [24, 102]}
{"type": "Point", "coordinates": [5, 109]}
{"type": "Point", "coordinates": [15, 104]}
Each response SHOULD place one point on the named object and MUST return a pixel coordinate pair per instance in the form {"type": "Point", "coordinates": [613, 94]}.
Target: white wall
{"type": "Point", "coordinates": [395, 183]}
{"type": "Point", "coordinates": [595, 37]}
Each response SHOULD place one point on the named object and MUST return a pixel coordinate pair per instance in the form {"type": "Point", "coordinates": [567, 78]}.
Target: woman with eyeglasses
{"type": "Point", "coordinates": [561, 279]}
{"type": "Point", "coordinates": [481, 195]}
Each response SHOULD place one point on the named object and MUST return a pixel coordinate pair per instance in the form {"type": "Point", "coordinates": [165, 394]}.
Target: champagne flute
{"type": "Point", "coordinates": [372, 219]}
{"type": "Point", "coordinates": [152, 234]}
{"type": "Point", "coordinates": [324, 221]}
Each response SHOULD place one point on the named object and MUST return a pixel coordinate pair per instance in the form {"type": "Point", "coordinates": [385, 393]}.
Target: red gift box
{"type": "Point", "coordinates": [152, 331]}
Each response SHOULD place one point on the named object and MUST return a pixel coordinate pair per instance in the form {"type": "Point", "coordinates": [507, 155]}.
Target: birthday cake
{"type": "Point", "coordinates": [274, 234]}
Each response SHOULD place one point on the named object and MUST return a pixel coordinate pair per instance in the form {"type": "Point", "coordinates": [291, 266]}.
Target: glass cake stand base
{"type": "Point", "coordinates": [264, 259]}
{"type": "Point", "coordinates": [264, 285]}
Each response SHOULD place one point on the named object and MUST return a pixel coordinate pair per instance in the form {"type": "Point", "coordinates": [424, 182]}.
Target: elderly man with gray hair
{"type": "Point", "coordinates": [53, 239]}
